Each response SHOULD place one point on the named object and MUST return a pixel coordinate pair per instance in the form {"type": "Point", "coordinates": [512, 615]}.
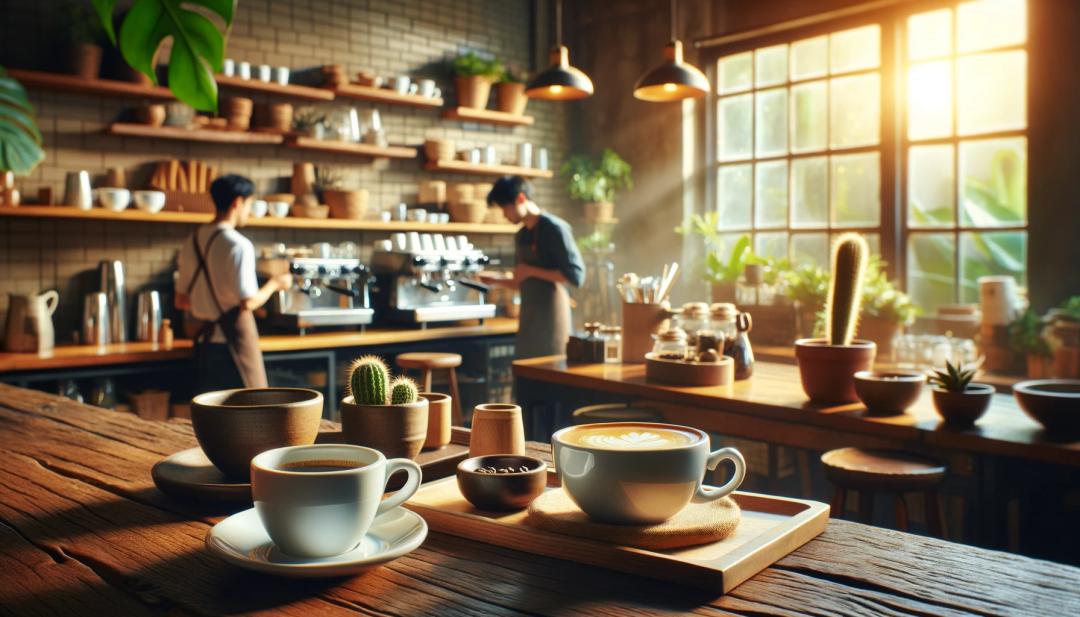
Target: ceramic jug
{"type": "Point", "coordinates": [29, 322]}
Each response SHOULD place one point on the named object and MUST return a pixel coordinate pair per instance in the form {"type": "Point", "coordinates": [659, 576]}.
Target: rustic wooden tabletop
{"type": "Point", "coordinates": [84, 531]}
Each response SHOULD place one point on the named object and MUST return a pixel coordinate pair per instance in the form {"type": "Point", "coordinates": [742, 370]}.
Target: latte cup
{"type": "Point", "coordinates": [319, 500]}
{"type": "Point", "coordinates": [639, 473]}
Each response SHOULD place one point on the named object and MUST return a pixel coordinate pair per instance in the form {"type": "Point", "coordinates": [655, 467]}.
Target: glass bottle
{"type": "Point", "coordinates": [670, 344]}
{"type": "Point", "coordinates": [612, 345]}
{"type": "Point", "coordinates": [722, 322]}
{"type": "Point", "coordinates": [740, 350]}
{"type": "Point", "coordinates": [693, 318]}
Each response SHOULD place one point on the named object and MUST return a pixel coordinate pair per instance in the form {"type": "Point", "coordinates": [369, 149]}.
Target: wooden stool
{"type": "Point", "coordinates": [428, 362]}
{"type": "Point", "coordinates": [885, 471]}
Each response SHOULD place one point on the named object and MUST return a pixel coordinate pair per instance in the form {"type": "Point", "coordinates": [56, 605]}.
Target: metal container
{"type": "Point", "coordinates": [77, 190]}
{"type": "Point", "coordinates": [95, 320]}
{"type": "Point", "coordinates": [148, 316]}
{"type": "Point", "coordinates": [112, 284]}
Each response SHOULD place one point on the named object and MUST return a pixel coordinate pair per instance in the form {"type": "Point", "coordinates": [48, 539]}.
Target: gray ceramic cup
{"type": "Point", "coordinates": [635, 473]}
{"type": "Point", "coordinates": [321, 512]}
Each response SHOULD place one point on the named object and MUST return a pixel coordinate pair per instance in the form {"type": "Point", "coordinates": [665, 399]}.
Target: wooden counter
{"type": "Point", "coordinates": [72, 356]}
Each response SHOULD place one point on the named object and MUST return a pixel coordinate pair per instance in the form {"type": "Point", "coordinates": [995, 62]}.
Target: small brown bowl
{"type": "Point", "coordinates": [963, 409]}
{"type": "Point", "coordinates": [888, 393]}
{"type": "Point", "coordinates": [1054, 403]}
{"type": "Point", "coordinates": [502, 491]}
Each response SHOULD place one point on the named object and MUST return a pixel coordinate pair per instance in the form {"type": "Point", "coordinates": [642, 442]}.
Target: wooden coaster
{"type": "Point", "coordinates": [697, 523]}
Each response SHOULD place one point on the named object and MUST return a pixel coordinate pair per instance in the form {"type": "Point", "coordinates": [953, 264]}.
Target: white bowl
{"type": "Point", "coordinates": [150, 201]}
{"type": "Point", "coordinates": [279, 209]}
{"type": "Point", "coordinates": [259, 208]}
{"type": "Point", "coordinates": [114, 199]}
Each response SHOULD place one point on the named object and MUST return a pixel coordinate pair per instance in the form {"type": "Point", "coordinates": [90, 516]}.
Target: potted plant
{"type": "Point", "coordinates": [20, 139]}
{"type": "Point", "coordinates": [86, 35]}
{"type": "Point", "coordinates": [595, 181]}
{"type": "Point", "coordinates": [473, 78]}
{"type": "Point", "coordinates": [827, 366]}
{"type": "Point", "coordinates": [958, 401]}
{"type": "Point", "coordinates": [388, 415]}
{"type": "Point", "coordinates": [886, 310]}
{"type": "Point", "coordinates": [1026, 339]}
{"type": "Point", "coordinates": [510, 91]}
{"type": "Point", "coordinates": [344, 203]}
{"type": "Point", "coordinates": [808, 286]}
{"type": "Point", "coordinates": [718, 273]}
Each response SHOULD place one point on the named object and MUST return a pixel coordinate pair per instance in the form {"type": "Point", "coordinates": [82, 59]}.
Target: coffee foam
{"type": "Point", "coordinates": [630, 438]}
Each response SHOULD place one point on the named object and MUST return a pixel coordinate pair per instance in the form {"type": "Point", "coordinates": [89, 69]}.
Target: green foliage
{"type": "Point", "coordinates": [403, 391]}
{"type": "Point", "coordinates": [882, 299]}
{"type": "Point", "coordinates": [716, 269]}
{"type": "Point", "coordinates": [808, 285]}
{"type": "Point", "coordinates": [953, 378]}
{"type": "Point", "coordinates": [597, 241]}
{"type": "Point", "coordinates": [1025, 335]}
{"type": "Point", "coordinates": [20, 139]}
{"type": "Point", "coordinates": [368, 378]}
{"type": "Point", "coordinates": [774, 268]}
{"type": "Point", "coordinates": [1072, 307]}
{"type": "Point", "coordinates": [470, 64]}
{"type": "Point", "coordinates": [596, 180]}
{"type": "Point", "coordinates": [513, 74]}
{"type": "Point", "coordinates": [198, 47]}
{"type": "Point", "coordinates": [82, 26]}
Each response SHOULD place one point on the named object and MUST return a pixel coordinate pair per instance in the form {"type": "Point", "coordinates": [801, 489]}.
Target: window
{"type": "Point", "coordinates": [805, 148]}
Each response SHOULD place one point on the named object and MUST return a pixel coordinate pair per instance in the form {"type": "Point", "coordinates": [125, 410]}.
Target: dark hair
{"type": "Point", "coordinates": [506, 189]}
{"type": "Point", "coordinates": [227, 188]}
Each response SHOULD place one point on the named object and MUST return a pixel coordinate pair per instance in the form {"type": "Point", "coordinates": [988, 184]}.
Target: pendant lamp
{"type": "Point", "coordinates": [560, 81]}
{"type": "Point", "coordinates": [674, 80]}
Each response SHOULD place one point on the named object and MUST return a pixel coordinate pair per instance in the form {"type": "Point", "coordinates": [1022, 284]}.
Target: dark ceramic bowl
{"type": "Point", "coordinates": [963, 408]}
{"type": "Point", "coordinates": [502, 491]}
{"type": "Point", "coordinates": [888, 392]}
{"type": "Point", "coordinates": [1053, 403]}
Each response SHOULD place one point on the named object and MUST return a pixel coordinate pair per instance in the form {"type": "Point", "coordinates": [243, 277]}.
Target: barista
{"type": "Point", "coordinates": [218, 287]}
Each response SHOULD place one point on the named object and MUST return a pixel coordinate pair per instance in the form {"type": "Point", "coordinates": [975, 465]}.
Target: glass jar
{"type": "Point", "coordinates": [693, 318]}
{"type": "Point", "coordinates": [612, 344]}
{"type": "Point", "coordinates": [722, 323]}
{"type": "Point", "coordinates": [670, 344]}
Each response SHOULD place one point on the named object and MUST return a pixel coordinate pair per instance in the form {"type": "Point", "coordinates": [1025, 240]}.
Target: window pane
{"type": "Point", "coordinates": [931, 270]}
{"type": "Point", "coordinates": [726, 242]}
{"type": "Point", "coordinates": [736, 72]}
{"type": "Point", "coordinates": [930, 100]}
{"type": "Point", "coordinates": [993, 173]}
{"type": "Point", "coordinates": [854, 109]}
{"type": "Point", "coordinates": [990, 23]}
{"type": "Point", "coordinates": [853, 50]}
{"type": "Point", "coordinates": [930, 35]}
{"type": "Point", "coordinates": [931, 186]}
{"type": "Point", "coordinates": [736, 122]}
{"type": "Point", "coordinates": [856, 190]}
{"type": "Point", "coordinates": [770, 125]}
{"type": "Point", "coordinates": [771, 194]}
{"type": "Point", "coordinates": [991, 91]}
{"type": "Point", "coordinates": [770, 65]}
{"type": "Point", "coordinates": [773, 244]}
{"type": "Point", "coordinates": [809, 192]}
{"type": "Point", "coordinates": [809, 58]}
{"type": "Point", "coordinates": [810, 249]}
{"type": "Point", "coordinates": [733, 187]}
{"type": "Point", "coordinates": [809, 122]}
{"type": "Point", "coordinates": [985, 253]}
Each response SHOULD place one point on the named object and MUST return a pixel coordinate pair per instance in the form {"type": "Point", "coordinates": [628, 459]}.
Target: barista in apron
{"type": "Point", "coordinates": [548, 261]}
{"type": "Point", "coordinates": [217, 275]}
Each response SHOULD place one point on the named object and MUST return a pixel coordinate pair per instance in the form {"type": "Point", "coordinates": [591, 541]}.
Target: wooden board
{"type": "Point", "coordinates": [690, 373]}
{"type": "Point", "coordinates": [125, 129]}
{"type": "Point", "coordinates": [770, 528]}
{"type": "Point", "coordinates": [306, 93]}
{"type": "Point", "coordinates": [463, 167]}
{"type": "Point", "coordinates": [342, 147]}
{"type": "Point", "coordinates": [383, 95]}
{"type": "Point", "coordinates": [487, 116]}
{"type": "Point", "coordinates": [60, 82]}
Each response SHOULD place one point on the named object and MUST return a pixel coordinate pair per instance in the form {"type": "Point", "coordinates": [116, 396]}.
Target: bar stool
{"type": "Point", "coordinates": [427, 363]}
{"type": "Point", "coordinates": [615, 412]}
{"type": "Point", "coordinates": [885, 471]}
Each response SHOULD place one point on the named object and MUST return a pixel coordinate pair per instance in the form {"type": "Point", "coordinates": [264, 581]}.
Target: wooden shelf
{"type": "Point", "coordinates": [464, 167]}
{"type": "Point", "coordinates": [488, 116]}
{"type": "Point", "coordinates": [293, 91]}
{"type": "Point", "coordinates": [382, 95]}
{"type": "Point", "coordinates": [108, 87]}
{"type": "Point", "coordinates": [343, 147]}
{"type": "Point", "coordinates": [134, 215]}
{"type": "Point", "coordinates": [204, 135]}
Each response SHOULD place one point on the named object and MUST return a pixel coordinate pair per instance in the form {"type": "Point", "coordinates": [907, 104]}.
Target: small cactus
{"type": "Point", "coordinates": [368, 378]}
{"type": "Point", "coordinates": [850, 255]}
{"type": "Point", "coordinates": [403, 391]}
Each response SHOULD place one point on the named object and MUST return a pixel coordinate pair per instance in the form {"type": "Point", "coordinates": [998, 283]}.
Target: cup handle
{"type": "Point", "coordinates": [730, 454]}
{"type": "Point", "coordinates": [393, 466]}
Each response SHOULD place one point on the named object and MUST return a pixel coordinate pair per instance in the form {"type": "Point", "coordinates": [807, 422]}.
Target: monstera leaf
{"type": "Point", "coordinates": [198, 47]}
{"type": "Point", "coordinates": [20, 140]}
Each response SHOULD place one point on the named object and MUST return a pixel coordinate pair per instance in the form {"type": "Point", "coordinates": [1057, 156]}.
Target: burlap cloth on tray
{"type": "Point", "coordinates": [697, 523]}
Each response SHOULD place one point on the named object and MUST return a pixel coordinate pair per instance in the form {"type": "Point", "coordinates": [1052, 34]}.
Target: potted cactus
{"type": "Point", "coordinates": [383, 413]}
{"type": "Point", "coordinates": [956, 399]}
{"type": "Point", "coordinates": [827, 366]}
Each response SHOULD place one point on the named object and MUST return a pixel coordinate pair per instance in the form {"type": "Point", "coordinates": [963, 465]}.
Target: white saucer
{"type": "Point", "coordinates": [241, 540]}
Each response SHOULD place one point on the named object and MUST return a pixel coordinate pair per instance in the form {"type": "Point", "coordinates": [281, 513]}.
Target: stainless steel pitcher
{"type": "Point", "coordinates": [148, 316]}
{"type": "Point", "coordinates": [112, 284]}
{"type": "Point", "coordinates": [95, 320]}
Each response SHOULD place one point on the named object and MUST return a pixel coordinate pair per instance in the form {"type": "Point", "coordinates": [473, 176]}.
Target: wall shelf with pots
{"type": "Point", "coordinates": [480, 169]}
{"type": "Point", "coordinates": [291, 90]}
{"type": "Point", "coordinates": [125, 129]}
{"type": "Point", "coordinates": [382, 95]}
{"type": "Point", "coordinates": [72, 83]}
{"type": "Point", "coordinates": [342, 147]}
{"type": "Point", "coordinates": [488, 116]}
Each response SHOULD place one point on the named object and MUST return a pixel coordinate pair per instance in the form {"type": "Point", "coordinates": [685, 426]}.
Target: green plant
{"type": "Point", "coordinates": [1025, 335]}
{"type": "Point", "coordinates": [882, 299]}
{"type": "Point", "coordinates": [368, 378]}
{"type": "Point", "coordinates": [20, 139]}
{"type": "Point", "coordinates": [403, 391]}
{"type": "Point", "coordinates": [774, 267]}
{"type": "Point", "coordinates": [596, 180]}
{"type": "Point", "coordinates": [82, 26]}
{"type": "Point", "coordinates": [472, 65]}
{"type": "Point", "coordinates": [198, 47]}
{"type": "Point", "coordinates": [716, 270]}
{"type": "Point", "coordinates": [808, 285]}
{"type": "Point", "coordinates": [1072, 307]}
{"type": "Point", "coordinates": [597, 241]}
{"type": "Point", "coordinates": [513, 74]}
{"type": "Point", "coordinates": [955, 378]}
{"type": "Point", "coordinates": [850, 254]}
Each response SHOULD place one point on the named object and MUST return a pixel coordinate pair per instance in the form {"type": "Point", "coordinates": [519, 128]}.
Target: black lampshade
{"type": "Point", "coordinates": [673, 80]}
{"type": "Point", "coordinates": [560, 81]}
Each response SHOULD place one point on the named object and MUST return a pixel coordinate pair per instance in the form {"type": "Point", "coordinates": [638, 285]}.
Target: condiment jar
{"type": "Point", "coordinates": [670, 344]}
{"type": "Point", "coordinates": [693, 318]}
{"type": "Point", "coordinates": [612, 344]}
{"type": "Point", "coordinates": [594, 343]}
{"type": "Point", "coordinates": [722, 322]}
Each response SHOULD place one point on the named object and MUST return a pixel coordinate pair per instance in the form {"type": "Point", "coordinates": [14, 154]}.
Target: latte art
{"type": "Point", "coordinates": [630, 437]}
{"type": "Point", "coordinates": [628, 441]}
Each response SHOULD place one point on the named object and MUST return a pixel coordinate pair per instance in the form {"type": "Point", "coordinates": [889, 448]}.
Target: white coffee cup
{"type": "Point", "coordinates": [228, 67]}
{"type": "Point", "coordinates": [281, 75]}
{"type": "Point", "coordinates": [401, 84]}
{"type": "Point", "coordinates": [243, 70]}
{"type": "Point", "coordinates": [427, 87]}
{"type": "Point", "coordinates": [259, 207]}
{"type": "Point", "coordinates": [320, 500]}
{"type": "Point", "coordinates": [265, 72]}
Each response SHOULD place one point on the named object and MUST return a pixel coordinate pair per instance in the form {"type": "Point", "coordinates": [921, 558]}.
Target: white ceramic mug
{"type": "Point", "coordinates": [228, 67]}
{"type": "Point", "coordinates": [243, 70]}
{"type": "Point", "coordinates": [401, 84]}
{"type": "Point", "coordinates": [259, 207]}
{"type": "Point", "coordinates": [265, 72]}
{"type": "Point", "coordinates": [427, 87]}
{"type": "Point", "coordinates": [320, 500]}
{"type": "Point", "coordinates": [281, 75]}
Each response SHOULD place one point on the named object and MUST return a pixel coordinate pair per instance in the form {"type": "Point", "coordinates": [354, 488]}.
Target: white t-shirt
{"type": "Point", "coordinates": [231, 261]}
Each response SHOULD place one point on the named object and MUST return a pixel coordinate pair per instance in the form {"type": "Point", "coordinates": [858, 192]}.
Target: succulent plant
{"type": "Point", "coordinates": [368, 378]}
{"type": "Point", "coordinates": [955, 378]}
{"type": "Point", "coordinates": [850, 255]}
{"type": "Point", "coordinates": [403, 391]}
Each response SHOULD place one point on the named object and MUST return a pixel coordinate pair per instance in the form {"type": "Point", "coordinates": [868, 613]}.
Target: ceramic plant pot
{"type": "Point", "coordinates": [510, 98]}
{"type": "Point", "coordinates": [828, 371]}
{"type": "Point", "coordinates": [398, 431]}
{"type": "Point", "coordinates": [346, 204]}
{"type": "Point", "coordinates": [881, 331]}
{"type": "Point", "coordinates": [86, 60]}
{"type": "Point", "coordinates": [473, 92]}
{"type": "Point", "coordinates": [963, 408]}
{"type": "Point", "coordinates": [599, 211]}
{"type": "Point", "coordinates": [888, 393]}
{"type": "Point", "coordinates": [1054, 403]}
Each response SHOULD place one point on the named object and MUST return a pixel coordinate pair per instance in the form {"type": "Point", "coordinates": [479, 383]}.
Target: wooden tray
{"type": "Point", "coordinates": [771, 527]}
{"type": "Point", "coordinates": [689, 373]}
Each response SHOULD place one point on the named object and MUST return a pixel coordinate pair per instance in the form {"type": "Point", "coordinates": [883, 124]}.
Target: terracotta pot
{"type": "Point", "coordinates": [439, 149]}
{"type": "Point", "coordinates": [882, 332]}
{"type": "Point", "coordinates": [440, 417]}
{"type": "Point", "coordinates": [473, 92]}
{"type": "Point", "coordinates": [828, 371]}
{"type": "Point", "coordinates": [754, 274]}
{"type": "Point", "coordinates": [723, 292]}
{"type": "Point", "coordinates": [346, 204]}
{"type": "Point", "coordinates": [151, 114]}
{"type": "Point", "coordinates": [510, 98]}
{"type": "Point", "coordinates": [963, 408]}
{"type": "Point", "coordinates": [303, 179]}
{"type": "Point", "coordinates": [86, 60]}
{"type": "Point", "coordinates": [888, 393]}
{"type": "Point", "coordinates": [398, 431]}
{"type": "Point", "coordinates": [599, 211]}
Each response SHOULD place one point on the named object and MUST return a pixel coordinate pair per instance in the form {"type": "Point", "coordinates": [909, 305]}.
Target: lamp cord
{"type": "Point", "coordinates": [672, 4]}
{"type": "Point", "coordinates": [558, 23]}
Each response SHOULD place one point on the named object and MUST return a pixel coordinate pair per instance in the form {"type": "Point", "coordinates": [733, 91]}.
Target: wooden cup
{"type": "Point", "coordinates": [440, 415]}
{"type": "Point", "coordinates": [497, 428]}
{"type": "Point", "coordinates": [639, 323]}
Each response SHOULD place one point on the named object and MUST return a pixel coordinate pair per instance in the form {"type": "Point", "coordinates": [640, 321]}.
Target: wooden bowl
{"type": "Point", "coordinates": [689, 373]}
{"type": "Point", "coordinates": [1053, 403]}
{"type": "Point", "coordinates": [311, 212]}
{"type": "Point", "coordinates": [888, 393]}
{"type": "Point", "coordinates": [398, 431]}
{"type": "Point", "coordinates": [502, 491]}
{"type": "Point", "coordinates": [469, 211]}
{"type": "Point", "coordinates": [288, 198]}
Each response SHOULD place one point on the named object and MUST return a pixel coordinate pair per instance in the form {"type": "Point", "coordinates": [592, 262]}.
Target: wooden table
{"type": "Point", "coordinates": [84, 531]}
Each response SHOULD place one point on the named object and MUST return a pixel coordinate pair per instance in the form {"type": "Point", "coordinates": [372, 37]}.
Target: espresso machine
{"type": "Point", "coordinates": [426, 278]}
{"type": "Point", "coordinates": [328, 290]}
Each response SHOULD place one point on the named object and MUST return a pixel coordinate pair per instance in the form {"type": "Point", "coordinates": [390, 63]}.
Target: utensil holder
{"type": "Point", "coordinates": [497, 428]}
{"type": "Point", "coordinates": [639, 323]}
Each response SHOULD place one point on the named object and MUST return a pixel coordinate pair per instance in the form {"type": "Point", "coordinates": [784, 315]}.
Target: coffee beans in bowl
{"type": "Point", "coordinates": [501, 482]}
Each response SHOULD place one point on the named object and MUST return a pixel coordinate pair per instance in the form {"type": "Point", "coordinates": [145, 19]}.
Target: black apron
{"type": "Point", "coordinates": [545, 308]}
{"type": "Point", "coordinates": [238, 326]}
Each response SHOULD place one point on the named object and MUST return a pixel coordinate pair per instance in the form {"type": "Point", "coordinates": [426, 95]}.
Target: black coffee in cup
{"type": "Point", "coordinates": [320, 466]}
